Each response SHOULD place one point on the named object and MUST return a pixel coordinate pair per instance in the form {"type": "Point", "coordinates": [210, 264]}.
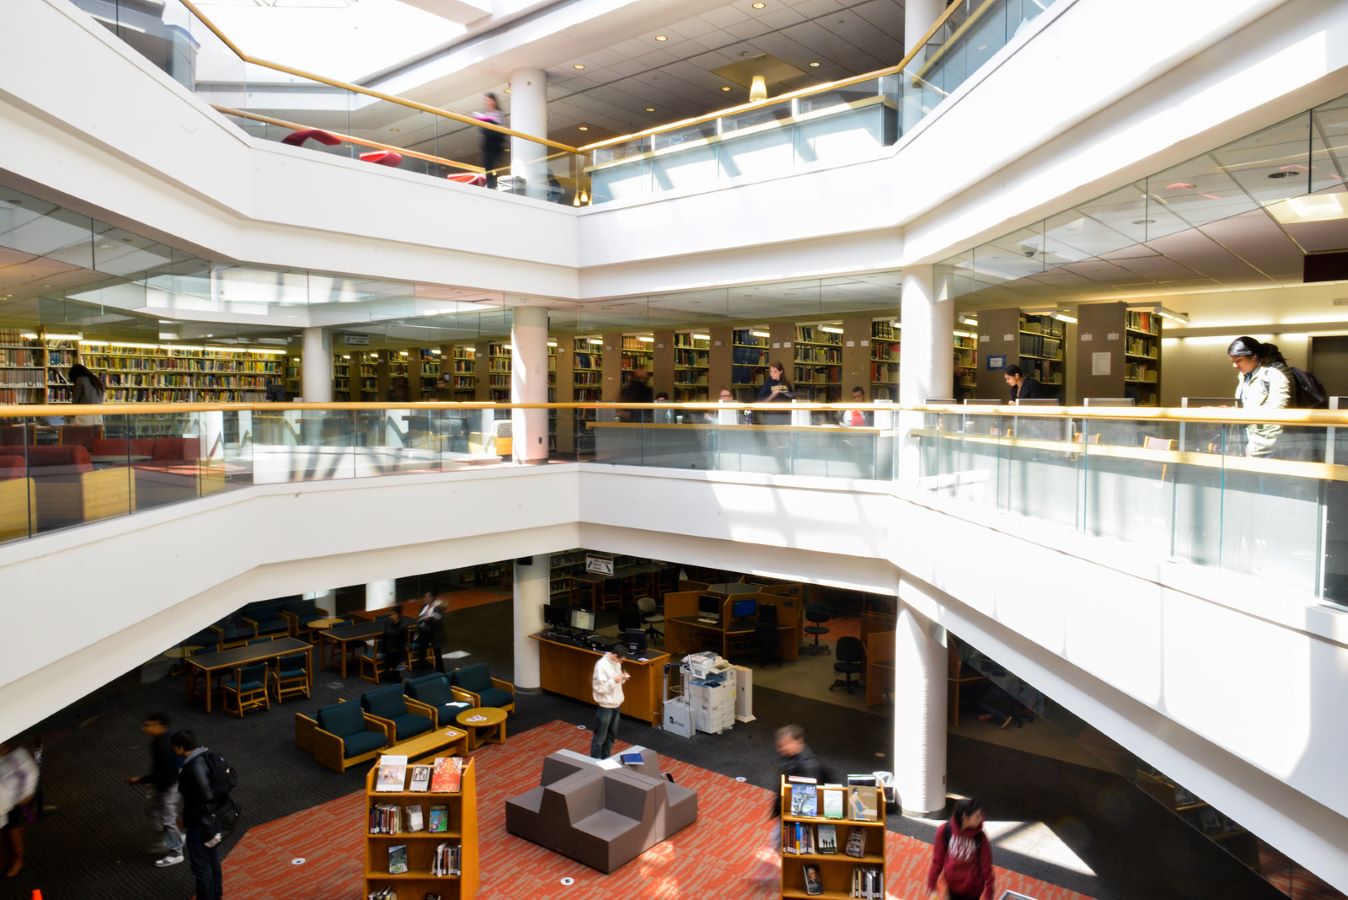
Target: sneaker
{"type": "Point", "coordinates": [171, 860]}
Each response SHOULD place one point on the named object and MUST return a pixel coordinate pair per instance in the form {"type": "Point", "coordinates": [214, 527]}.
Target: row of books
{"type": "Point", "coordinates": [748, 356]}
{"type": "Point", "coordinates": [818, 374]}
{"type": "Point", "coordinates": [882, 350]}
{"type": "Point", "coordinates": [13, 336]}
{"type": "Point", "coordinates": [594, 378]}
{"type": "Point", "coordinates": [802, 837]}
{"type": "Point", "coordinates": [745, 337]}
{"type": "Point", "coordinates": [499, 380]}
{"type": "Point", "coordinates": [443, 776]}
{"type": "Point", "coordinates": [1139, 346]}
{"type": "Point", "coordinates": [171, 395]}
{"type": "Point", "coordinates": [884, 373]}
{"type": "Point", "coordinates": [1038, 345]}
{"type": "Point", "coordinates": [885, 331]}
{"type": "Point", "coordinates": [21, 358]}
{"type": "Point", "coordinates": [686, 357]}
{"type": "Point", "coordinates": [1142, 321]}
{"type": "Point", "coordinates": [183, 381]}
{"type": "Point", "coordinates": [390, 818]}
{"type": "Point", "coordinates": [818, 355]}
{"type": "Point", "coordinates": [1043, 325]}
{"type": "Point", "coordinates": [637, 344]}
{"type": "Point", "coordinates": [24, 395]}
{"type": "Point", "coordinates": [21, 377]}
{"type": "Point", "coordinates": [587, 360]}
{"type": "Point", "coordinates": [809, 334]}
{"type": "Point", "coordinates": [684, 339]}
{"type": "Point", "coordinates": [861, 803]}
{"type": "Point", "coordinates": [1139, 371]}
{"type": "Point", "coordinates": [270, 366]}
{"type": "Point", "coordinates": [690, 376]}
{"type": "Point", "coordinates": [448, 860]}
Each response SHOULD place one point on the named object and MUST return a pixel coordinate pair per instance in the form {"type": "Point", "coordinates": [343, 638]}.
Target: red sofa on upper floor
{"type": "Point", "coordinates": [18, 507]}
{"type": "Point", "coordinates": [69, 489]}
{"type": "Point", "coordinates": [175, 470]}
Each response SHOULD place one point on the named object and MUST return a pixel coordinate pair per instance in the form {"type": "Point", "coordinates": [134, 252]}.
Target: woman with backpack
{"type": "Point", "coordinates": [961, 852]}
{"type": "Point", "coordinates": [1262, 382]}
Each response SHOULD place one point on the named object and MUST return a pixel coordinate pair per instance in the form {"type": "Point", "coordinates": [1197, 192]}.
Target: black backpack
{"type": "Point", "coordinates": [222, 775]}
{"type": "Point", "coordinates": [1308, 392]}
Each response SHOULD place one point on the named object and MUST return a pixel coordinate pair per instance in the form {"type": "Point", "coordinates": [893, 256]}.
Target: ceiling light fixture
{"type": "Point", "coordinates": [814, 64]}
{"type": "Point", "coordinates": [958, 333]}
{"type": "Point", "coordinates": [759, 5]}
{"type": "Point", "coordinates": [1064, 317]}
{"type": "Point", "coordinates": [969, 320]}
{"type": "Point", "coordinates": [831, 329]}
{"type": "Point", "coordinates": [1178, 318]}
{"type": "Point", "coordinates": [725, 88]}
{"type": "Point", "coordinates": [552, 343]}
{"type": "Point", "coordinates": [594, 340]}
{"type": "Point", "coordinates": [646, 339]}
{"type": "Point", "coordinates": [701, 337]}
{"type": "Point", "coordinates": [662, 38]}
{"type": "Point", "coordinates": [758, 89]}
{"type": "Point", "coordinates": [578, 66]}
{"type": "Point", "coordinates": [650, 109]}
{"type": "Point", "coordinates": [762, 334]}
{"type": "Point", "coordinates": [583, 128]}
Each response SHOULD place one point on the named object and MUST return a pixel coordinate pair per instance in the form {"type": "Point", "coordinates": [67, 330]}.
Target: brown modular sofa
{"type": "Point", "coordinates": [69, 489]}
{"type": "Point", "coordinates": [173, 472]}
{"type": "Point", "coordinates": [18, 505]}
{"type": "Point", "coordinates": [601, 812]}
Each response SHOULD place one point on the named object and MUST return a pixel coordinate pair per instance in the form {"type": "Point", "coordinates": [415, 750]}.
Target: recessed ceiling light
{"type": "Point", "coordinates": [1278, 174]}
{"type": "Point", "coordinates": [662, 38]}
{"type": "Point", "coordinates": [578, 66]}
{"type": "Point", "coordinates": [758, 5]}
{"type": "Point", "coordinates": [814, 64]}
{"type": "Point", "coordinates": [650, 109]}
{"type": "Point", "coordinates": [584, 128]}
{"type": "Point", "coordinates": [725, 88]}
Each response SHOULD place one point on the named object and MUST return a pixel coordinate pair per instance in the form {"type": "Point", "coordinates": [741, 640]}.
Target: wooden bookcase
{"type": "Point", "coordinates": [393, 372]}
{"type": "Point", "coordinates": [638, 352]}
{"type": "Point", "coordinates": [167, 373]}
{"type": "Point", "coordinates": [835, 869]}
{"type": "Point", "coordinates": [1118, 353]}
{"type": "Point", "coordinates": [587, 385]}
{"type": "Point", "coordinates": [461, 367]}
{"type": "Point", "coordinates": [341, 375]}
{"type": "Point", "coordinates": [692, 367]}
{"type": "Point", "coordinates": [294, 376]}
{"type": "Point", "coordinates": [884, 360]}
{"type": "Point", "coordinates": [498, 371]}
{"type": "Point", "coordinates": [552, 395]}
{"type": "Point", "coordinates": [22, 368]}
{"type": "Point", "coordinates": [749, 359]}
{"type": "Point", "coordinates": [417, 881]}
{"type": "Point", "coordinates": [1036, 343]}
{"type": "Point", "coordinates": [423, 377]}
{"type": "Point", "coordinates": [818, 362]}
{"type": "Point", "coordinates": [966, 364]}
{"type": "Point", "coordinates": [365, 377]}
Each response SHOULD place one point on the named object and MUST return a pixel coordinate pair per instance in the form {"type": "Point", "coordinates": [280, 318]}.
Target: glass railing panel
{"type": "Point", "coordinates": [1129, 480]}
{"type": "Point", "coordinates": [1042, 468]}
{"type": "Point", "coordinates": [846, 125]}
{"type": "Point", "coordinates": [962, 456]}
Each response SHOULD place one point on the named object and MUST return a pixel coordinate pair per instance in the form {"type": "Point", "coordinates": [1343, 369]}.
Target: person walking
{"type": "Point", "coordinates": [798, 761]}
{"type": "Point", "coordinates": [606, 685]}
{"type": "Point", "coordinates": [162, 800]}
{"type": "Point", "coordinates": [201, 801]}
{"type": "Point", "coordinates": [491, 142]}
{"type": "Point", "coordinates": [961, 852]}
{"type": "Point", "coordinates": [430, 619]}
{"type": "Point", "coordinates": [87, 388]}
{"type": "Point", "coordinates": [18, 786]}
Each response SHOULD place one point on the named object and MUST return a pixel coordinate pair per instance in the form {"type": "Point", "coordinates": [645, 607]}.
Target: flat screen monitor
{"type": "Point", "coordinates": [743, 609]}
{"type": "Point", "coordinates": [582, 620]}
{"type": "Point", "coordinates": [1039, 401]}
{"type": "Point", "coordinates": [634, 639]}
{"type": "Point", "coordinates": [767, 614]}
{"type": "Point", "coordinates": [982, 401]}
{"type": "Point", "coordinates": [1109, 401]}
{"type": "Point", "coordinates": [709, 605]}
{"type": "Point", "coordinates": [556, 616]}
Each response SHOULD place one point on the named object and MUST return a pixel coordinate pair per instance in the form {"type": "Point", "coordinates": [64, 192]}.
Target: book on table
{"type": "Point", "coordinates": [421, 779]}
{"type": "Point", "coordinates": [397, 859]}
{"type": "Point", "coordinates": [804, 800]}
{"type": "Point", "coordinates": [392, 773]}
{"type": "Point", "coordinates": [448, 775]}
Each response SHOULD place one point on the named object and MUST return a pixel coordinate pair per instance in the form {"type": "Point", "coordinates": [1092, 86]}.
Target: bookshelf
{"type": "Point", "coordinates": [1036, 343]}
{"type": "Point", "coordinates": [638, 352]}
{"type": "Point", "coordinates": [424, 379]}
{"type": "Point", "coordinates": [562, 567]}
{"type": "Point", "coordinates": [818, 362]}
{"type": "Point", "coordinates": [966, 364]}
{"type": "Point", "coordinates": [837, 871]}
{"type": "Point", "coordinates": [749, 359]}
{"type": "Point", "coordinates": [692, 367]}
{"type": "Point", "coordinates": [587, 380]}
{"type": "Point", "coordinates": [884, 360]}
{"type": "Point", "coordinates": [341, 376]}
{"type": "Point", "coordinates": [294, 376]}
{"type": "Point", "coordinates": [462, 372]}
{"type": "Point", "coordinates": [168, 373]}
{"type": "Point", "coordinates": [552, 395]}
{"type": "Point", "coordinates": [22, 368]}
{"type": "Point", "coordinates": [1118, 353]}
{"type": "Point", "coordinates": [499, 355]}
{"type": "Point", "coordinates": [461, 822]}
{"type": "Point", "coordinates": [365, 371]}
{"type": "Point", "coordinates": [393, 375]}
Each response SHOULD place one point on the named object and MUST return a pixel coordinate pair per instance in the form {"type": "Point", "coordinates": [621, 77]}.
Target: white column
{"type": "Point", "coordinates": [927, 364]}
{"type": "Point", "coordinates": [380, 594]}
{"type": "Point", "coordinates": [316, 369]}
{"type": "Point", "coordinates": [529, 115]}
{"type": "Point", "coordinates": [326, 600]}
{"type": "Point", "coordinates": [919, 713]}
{"type": "Point", "coordinates": [532, 586]}
{"type": "Point", "coordinates": [529, 383]}
{"type": "Point", "coordinates": [918, 16]}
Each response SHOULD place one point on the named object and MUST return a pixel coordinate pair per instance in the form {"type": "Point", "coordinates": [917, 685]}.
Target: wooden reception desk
{"type": "Point", "coordinates": [567, 670]}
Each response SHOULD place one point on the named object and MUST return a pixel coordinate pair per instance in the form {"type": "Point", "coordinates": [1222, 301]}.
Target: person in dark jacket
{"type": "Point", "coordinates": [393, 644]}
{"type": "Point", "coordinates": [200, 803]}
{"type": "Point", "coordinates": [1022, 386]}
{"type": "Point", "coordinates": [797, 760]}
{"type": "Point", "coordinates": [961, 852]}
{"type": "Point", "coordinates": [162, 800]}
{"type": "Point", "coordinates": [492, 143]}
{"type": "Point", "coordinates": [86, 388]}
{"type": "Point", "coordinates": [775, 388]}
{"type": "Point", "coordinates": [430, 620]}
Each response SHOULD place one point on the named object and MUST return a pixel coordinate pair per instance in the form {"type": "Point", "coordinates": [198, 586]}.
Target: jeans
{"type": "Point", "coordinates": [205, 863]}
{"type": "Point", "coordinates": [161, 809]}
{"type": "Point", "coordinates": [605, 731]}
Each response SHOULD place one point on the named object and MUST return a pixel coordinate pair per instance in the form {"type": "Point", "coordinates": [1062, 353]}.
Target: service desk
{"type": "Point", "coordinates": [567, 670]}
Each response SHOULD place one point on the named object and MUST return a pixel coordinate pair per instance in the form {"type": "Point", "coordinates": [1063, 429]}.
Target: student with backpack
{"type": "Point", "coordinates": [961, 852]}
{"type": "Point", "coordinates": [209, 813]}
{"type": "Point", "coordinates": [1264, 380]}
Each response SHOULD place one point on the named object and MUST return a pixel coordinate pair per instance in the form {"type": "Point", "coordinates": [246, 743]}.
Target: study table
{"type": "Point", "coordinates": [568, 670]}
{"type": "Point", "coordinates": [210, 663]}
{"type": "Point", "coordinates": [340, 639]}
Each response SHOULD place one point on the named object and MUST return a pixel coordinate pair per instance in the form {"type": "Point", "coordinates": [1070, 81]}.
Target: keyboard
{"type": "Point", "coordinates": [708, 621]}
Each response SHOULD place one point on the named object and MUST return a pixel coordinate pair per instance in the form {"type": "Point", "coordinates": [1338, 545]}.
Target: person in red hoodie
{"type": "Point", "coordinates": [962, 854]}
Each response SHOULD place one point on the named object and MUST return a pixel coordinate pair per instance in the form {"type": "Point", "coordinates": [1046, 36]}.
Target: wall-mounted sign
{"type": "Point", "coordinates": [356, 340]}
{"type": "Point", "coordinates": [598, 565]}
{"type": "Point", "coordinates": [996, 363]}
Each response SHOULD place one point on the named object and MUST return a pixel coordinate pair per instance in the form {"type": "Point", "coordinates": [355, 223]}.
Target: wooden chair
{"type": "Point", "coordinates": [341, 735]}
{"type": "Point", "coordinates": [248, 687]}
{"type": "Point", "coordinates": [291, 676]}
{"type": "Point", "coordinates": [1159, 443]}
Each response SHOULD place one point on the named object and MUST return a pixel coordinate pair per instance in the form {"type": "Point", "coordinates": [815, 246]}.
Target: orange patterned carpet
{"type": "Point", "coordinates": [715, 858]}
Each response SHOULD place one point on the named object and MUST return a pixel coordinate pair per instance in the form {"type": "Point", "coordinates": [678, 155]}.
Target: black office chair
{"type": "Point", "coordinates": [816, 616]}
{"type": "Point", "coordinates": [767, 643]}
{"type": "Point", "coordinates": [848, 662]}
{"type": "Point", "coordinates": [629, 618]}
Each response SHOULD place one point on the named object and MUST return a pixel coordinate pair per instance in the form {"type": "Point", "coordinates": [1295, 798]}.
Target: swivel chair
{"type": "Point", "coordinates": [650, 617]}
{"type": "Point", "coordinates": [816, 616]}
{"type": "Point", "coordinates": [850, 654]}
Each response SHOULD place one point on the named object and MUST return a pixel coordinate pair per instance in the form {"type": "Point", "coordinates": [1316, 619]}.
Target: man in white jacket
{"type": "Point", "coordinates": [607, 687]}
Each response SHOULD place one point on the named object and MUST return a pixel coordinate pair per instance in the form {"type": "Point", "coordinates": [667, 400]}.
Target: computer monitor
{"type": "Point", "coordinates": [1039, 401]}
{"type": "Point", "coordinates": [556, 616]}
{"type": "Point", "coordinates": [633, 639]}
{"type": "Point", "coordinates": [743, 609]}
{"type": "Point", "coordinates": [582, 620]}
{"type": "Point", "coordinates": [709, 606]}
{"type": "Point", "coordinates": [767, 614]}
{"type": "Point", "coordinates": [1109, 401]}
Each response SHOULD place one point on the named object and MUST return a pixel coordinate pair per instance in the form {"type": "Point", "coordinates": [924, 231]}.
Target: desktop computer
{"type": "Point", "coordinates": [709, 609]}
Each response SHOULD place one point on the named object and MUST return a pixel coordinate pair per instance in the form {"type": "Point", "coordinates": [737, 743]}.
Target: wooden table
{"type": "Point", "coordinates": [210, 663]}
{"type": "Point", "coordinates": [431, 743]}
{"type": "Point", "coordinates": [339, 639]}
{"type": "Point", "coordinates": [485, 724]}
{"type": "Point", "coordinates": [567, 670]}
{"type": "Point", "coordinates": [686, 634]}
{"type": "Point", "coordinates": [320, 624]}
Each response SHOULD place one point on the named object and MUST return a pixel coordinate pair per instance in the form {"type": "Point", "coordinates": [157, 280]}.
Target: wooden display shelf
{"type": "Point", "coordinates": [461, 816]}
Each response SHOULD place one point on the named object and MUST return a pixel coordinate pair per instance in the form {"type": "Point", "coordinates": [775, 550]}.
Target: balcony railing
{"type": "Point", "coordinates": [825, 125]}
{"type": "Point", "coordinates": [1175, 484]}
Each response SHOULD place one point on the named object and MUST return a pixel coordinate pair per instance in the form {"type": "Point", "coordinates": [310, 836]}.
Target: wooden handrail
{"type": "Point", "coordinates": [1219, 415]}
{"type": "Point", "coordinates": [346, 138]}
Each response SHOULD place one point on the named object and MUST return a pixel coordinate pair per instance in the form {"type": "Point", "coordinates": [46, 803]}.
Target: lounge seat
{"type": "Point", "coordinates": [341, 735]}
{"type": "Point", "coordinates": [387, 704]}
{"type": "Point", "coordinates": [69, 490]}
{"type": "Point", "coordinates": [476, 685]}
{"type": "Point", "coordinates": [18, 500]}
{"type": "Point", "coordinates": [433, 695]}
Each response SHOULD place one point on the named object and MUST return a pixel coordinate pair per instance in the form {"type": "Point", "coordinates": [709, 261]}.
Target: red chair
{"type": "Point", "coordinates": [297, 138]}
{"type": "Point", "coordinates": [80, 435]}
{"type": "Point", "coordinates": [382, 157]}
{"type": "Point", "coordinates": [476, 179]}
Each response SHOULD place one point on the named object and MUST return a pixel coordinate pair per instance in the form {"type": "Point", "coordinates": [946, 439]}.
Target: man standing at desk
{"type": "Point", "coordinates": [607, 687]}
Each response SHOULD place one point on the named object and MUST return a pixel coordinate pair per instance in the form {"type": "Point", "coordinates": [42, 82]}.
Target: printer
{"type": "Point", "coordinates": [705, 665]}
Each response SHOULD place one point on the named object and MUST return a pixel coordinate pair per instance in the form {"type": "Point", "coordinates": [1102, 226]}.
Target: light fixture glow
{"type": "Point", "coordinates": [552, 343]}
{"type": "Point", "coordinates": [139, 346]}
{"type": "Point", "coordinates": [650, 109]}
{"type": "Point", "coordinates": [725, 88]}
{"type": "Point", "coordinates": [1310, 208]}
{"type": "Point", "coordinates": [814, 64]}
{"type": "Point", "coordinates": [701, 337]}
{"type": "Point", "coordinates": [594, 340]}
{"type": "Point", "coordinates": [54, 336]}
{"type": "Point", "coordinates": [583, 128]}
{"type": "Point", "coordinates": [1178, 318]}
{"type": "Point", "coordinates": [168, 336]}
{"type": "Point", "coordinates": [646, 339]}
{"type": "Point", "coordinates": [761, 334]}
{"type": "Point", "coordinates": [436, 351]}
{"type": "Point", "coordinates": [759, 5]}
{"type": "Point", "coordinates": [958, 333]}
{"type": "Point", "coordinates": [662, 38]}
{"type": "Point", "coordinates": [969, 320]}
{"type": "Point", "coordinates": [1064, 317]}
{"type": "Point", "coordinates": [758, 89]}
{"type": "Point", "coordinates": [578, 66]}
{"type": "Point", "coordinates": [831, 329]}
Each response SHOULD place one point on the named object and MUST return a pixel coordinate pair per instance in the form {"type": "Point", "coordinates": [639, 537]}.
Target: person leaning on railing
{"type": "Point", "coordinates": [1262, 382]}
{"type": "Point", "coordinates": [492, 142]}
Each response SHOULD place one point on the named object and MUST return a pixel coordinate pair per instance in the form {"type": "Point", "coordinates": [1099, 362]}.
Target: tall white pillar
{"type": "Point", "coordinates": [918, 16]}
{"type": "Point", "coordinates": [316, 368]}
{"type": "Point", "coordinates": [927, 364]}
{"type": "Point", "coordinates": [380, 594]}
{"type": "Point", "coordinates": [529, 115]}
{"type": "Point", "coordinates": [529, 383]}
{"type": "Point", "coordinates": [326, 600]}
{"type": "Point", "coordinates": [919, 713]}
{"type": "Point", "coordinates": [532, 586]}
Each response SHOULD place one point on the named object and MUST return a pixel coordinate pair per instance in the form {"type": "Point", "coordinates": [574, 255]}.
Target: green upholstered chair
{"type": "Point", "coordinates": [291, 676]}
{"type": "Point", "coordinates": [248, 688]}
{"type": "Point", "coordinates": [433, 695]}
{"type": "Point", "coordinates": [341, 735]}
{"type": "Point", "coordinates": [389, 705]}
{"type": "Point", "coordinates": [476, 685]}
